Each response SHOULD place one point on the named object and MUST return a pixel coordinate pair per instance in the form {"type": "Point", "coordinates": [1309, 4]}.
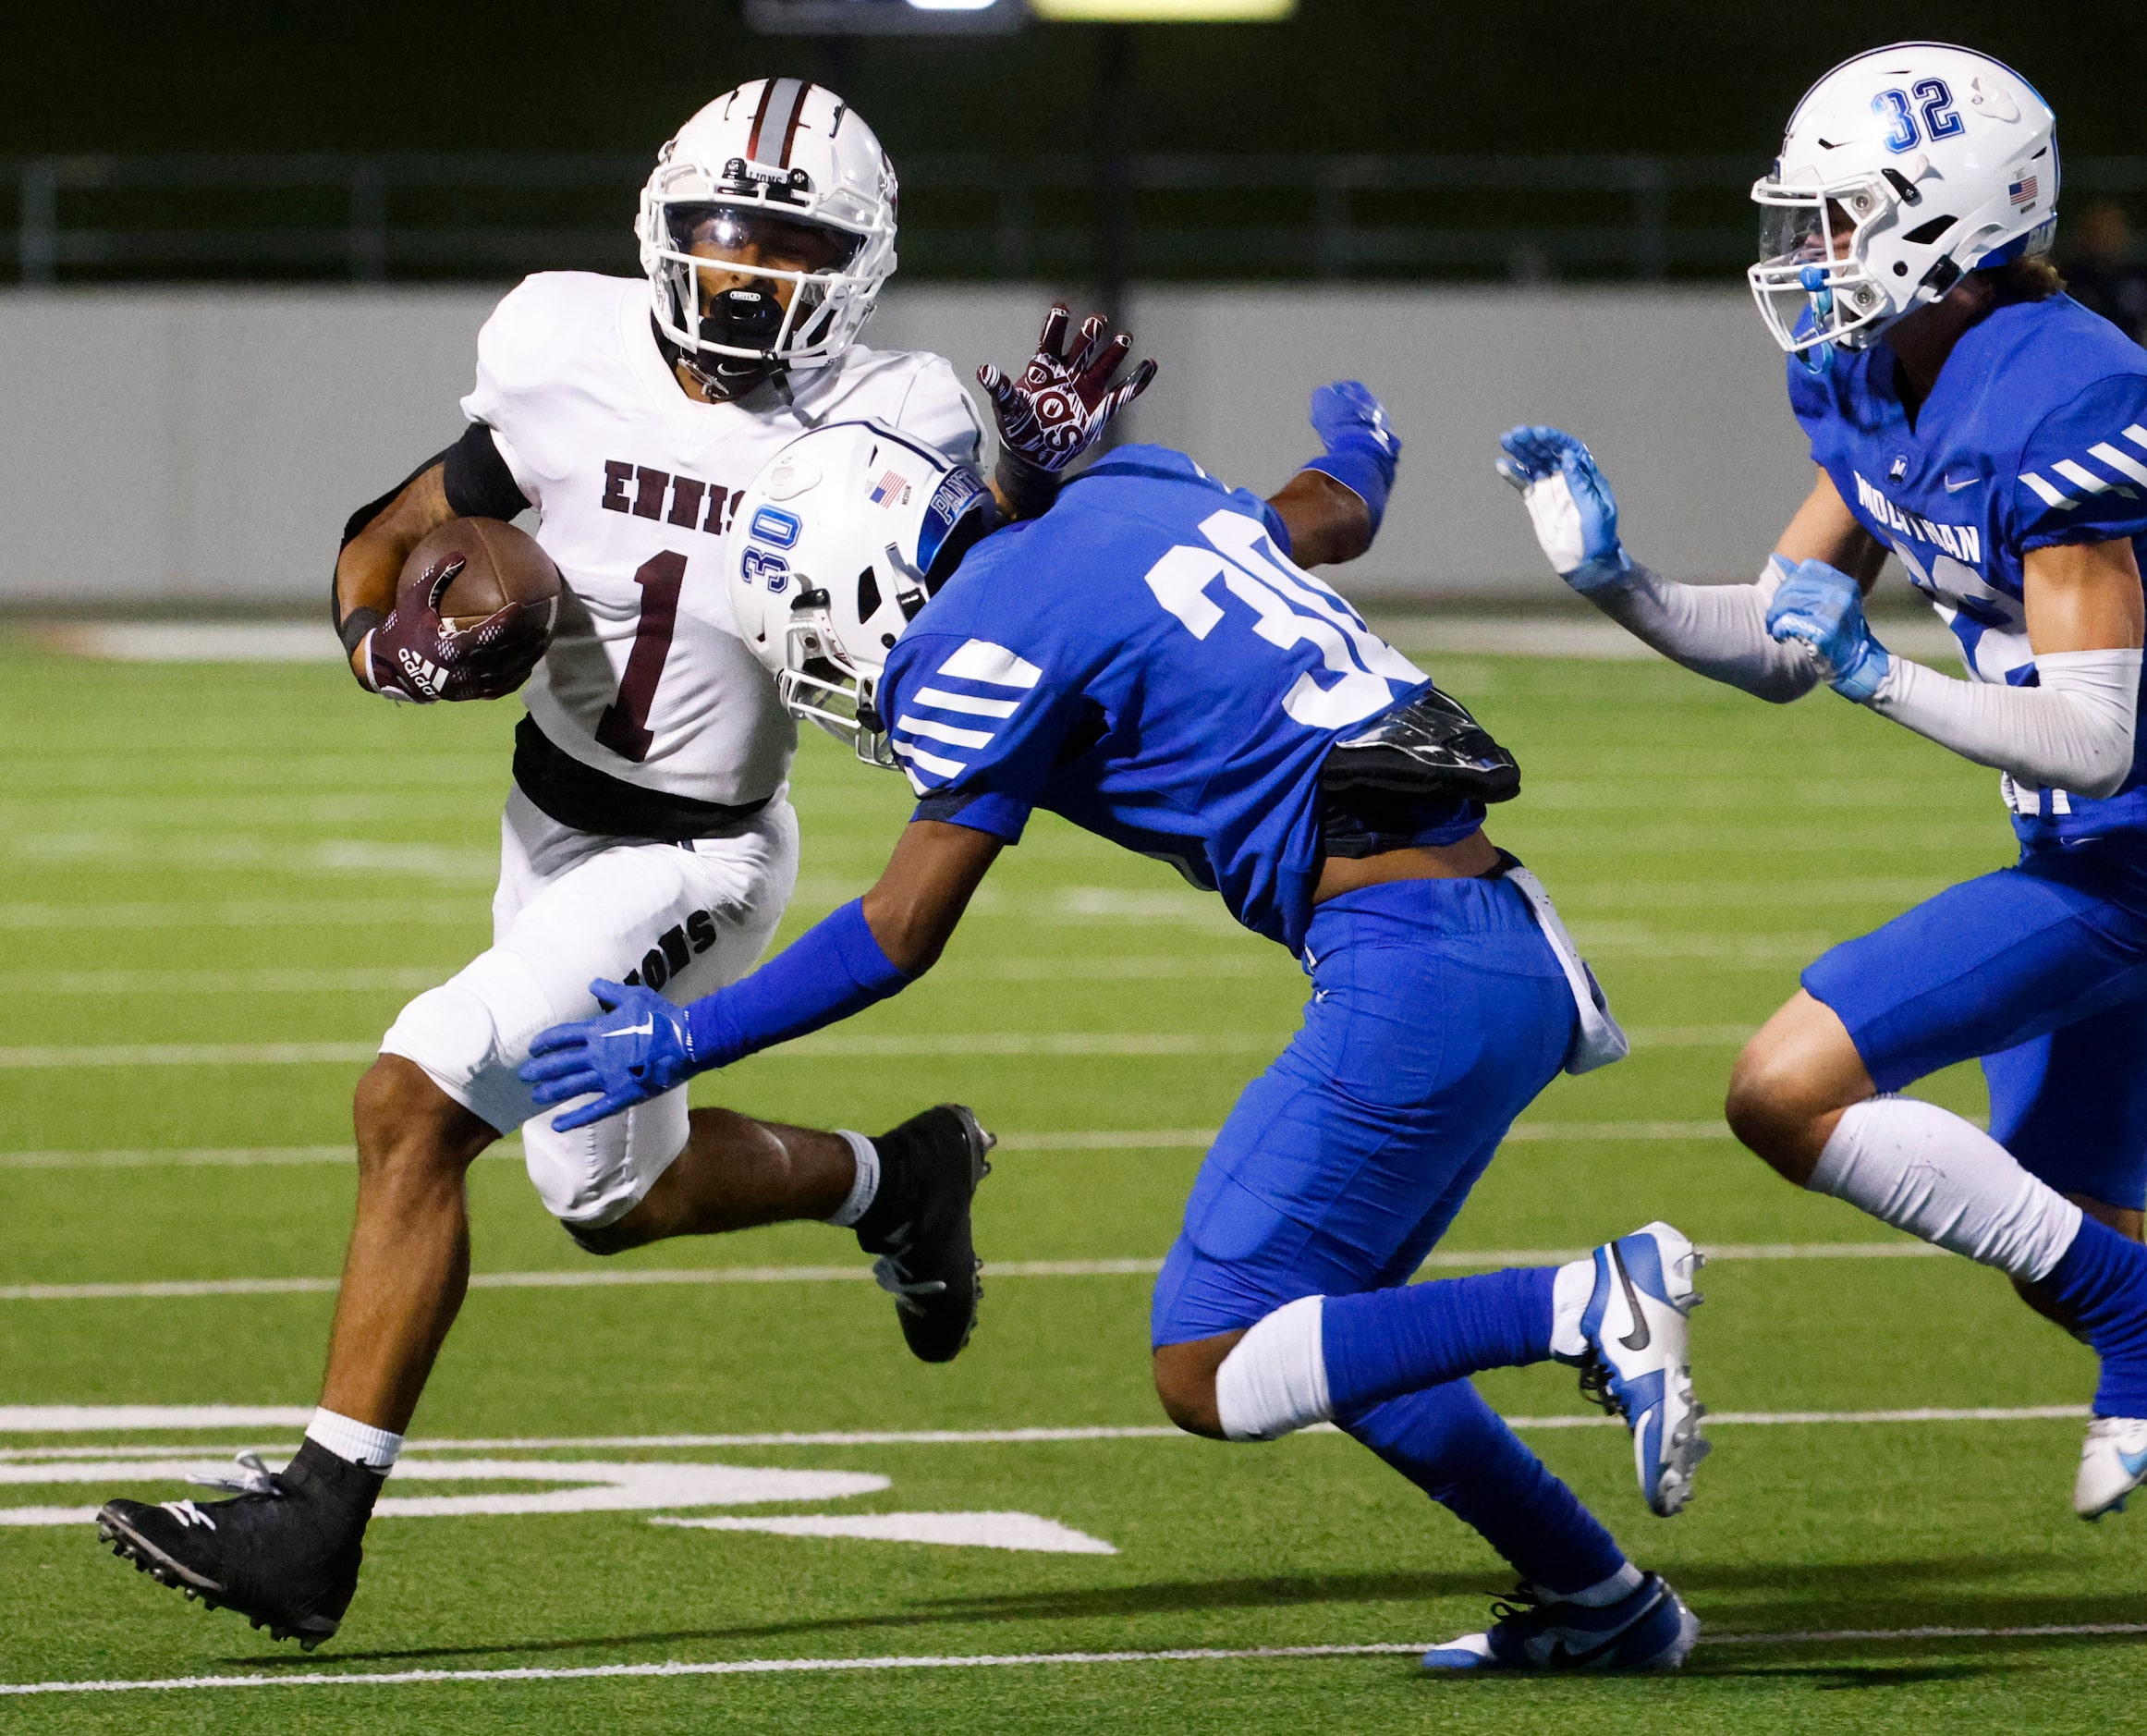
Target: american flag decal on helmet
{"type": "Point", "coordinates": [890, 491]}
{"type": "Point", "coordinates": [2022, 192]}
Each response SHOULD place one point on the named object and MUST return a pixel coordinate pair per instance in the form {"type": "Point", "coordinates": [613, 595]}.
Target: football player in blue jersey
{"type": "Point", "coordinates": [1150, 662]}
{"type": "Point", "coordinates": [1992, 433]}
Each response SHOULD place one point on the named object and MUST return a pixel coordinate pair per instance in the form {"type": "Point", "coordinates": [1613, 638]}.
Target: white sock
{"type": "Point", "coordinates": [360, 1443]}
{"type": "Point", "coordinates": [1622, 1584]}
{"type": "Point", "coordinates": [864, 1186]}
{"type": "Point", "coordinates": [1570, 1289]}
{"type": "Point", "coordinates": [1274, 1378]}
{"type": "Point", "coordinates": [1926, 1170]}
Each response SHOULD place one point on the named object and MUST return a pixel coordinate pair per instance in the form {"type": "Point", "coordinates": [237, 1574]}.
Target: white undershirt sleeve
{"type": "Point", "coordinates": [1716, 630]}
{"type": "Point", "coordinates": [2073, 732]}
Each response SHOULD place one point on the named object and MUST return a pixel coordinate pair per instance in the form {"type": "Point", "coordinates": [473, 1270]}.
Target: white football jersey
{"type": "Point", "coordinates": [647, 679]}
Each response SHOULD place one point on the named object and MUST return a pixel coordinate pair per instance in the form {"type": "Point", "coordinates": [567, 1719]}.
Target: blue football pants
{"type": "Point", "coordinates": [1438, 1013]}
{"type": "Point", "coordinates": [2038, 969]}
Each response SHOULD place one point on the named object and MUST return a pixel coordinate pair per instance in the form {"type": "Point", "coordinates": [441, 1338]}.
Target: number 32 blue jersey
{"type": "Point", "coordinates": [1146, 662]}
{"type": "Point", "coordinates": [2035, 433]}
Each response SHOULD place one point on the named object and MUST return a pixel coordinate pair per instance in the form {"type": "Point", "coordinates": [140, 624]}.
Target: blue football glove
{"type": "Point", "coordinates": [1362, 450]}
{"type": "Point", "coordinates": [1824, 609]}
{"type": "Point", "coordinates": [638, 1049]}
{"type": "Point", "coordinates": [1569, 503]}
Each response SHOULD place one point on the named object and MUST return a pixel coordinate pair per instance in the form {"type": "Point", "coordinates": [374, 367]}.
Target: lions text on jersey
{"type": "Point", "coordinates": [2035, 433]}
{"type": "Point", "coordinates": [646, 680]}
{"type": "Point", "coordinates": [1145, 661]}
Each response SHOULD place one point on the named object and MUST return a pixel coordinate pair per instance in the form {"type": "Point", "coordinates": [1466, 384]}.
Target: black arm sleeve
{"type": "Point", "coordinates": [479, 484]}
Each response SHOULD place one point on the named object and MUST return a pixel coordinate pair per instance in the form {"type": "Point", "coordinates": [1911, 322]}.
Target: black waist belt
{"type": "Point", "coordinates": [590, 801]}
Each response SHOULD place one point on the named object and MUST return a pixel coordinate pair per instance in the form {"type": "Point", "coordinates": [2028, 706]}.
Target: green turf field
{"type": "Point", "coordinates": [205, 863]}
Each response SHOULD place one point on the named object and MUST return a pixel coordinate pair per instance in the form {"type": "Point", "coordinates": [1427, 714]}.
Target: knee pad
{"type": "Point", "coordinates": [473, 1034]}
{"type": "Point", "coordinates": [451, 1033]}
{"type": "Point", "coordinates": [595, 1175]}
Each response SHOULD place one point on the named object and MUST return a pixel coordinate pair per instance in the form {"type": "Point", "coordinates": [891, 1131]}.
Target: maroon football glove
{"type": "Point", "coordinates": [416, 655]}
{"type": "Point", "coordinates": [1060, 405]}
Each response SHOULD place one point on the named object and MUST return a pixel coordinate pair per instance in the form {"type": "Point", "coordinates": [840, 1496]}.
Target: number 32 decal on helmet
{"type": "Point", "coordinates": [1900, 170]}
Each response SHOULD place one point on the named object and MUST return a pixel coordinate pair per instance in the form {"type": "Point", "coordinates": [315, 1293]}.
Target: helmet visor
{"type": "Point", "coordinates": [1801, 233]}
{"type": "Point", "coordinates": [759, 240]}
{"type": "Point", "coordinates": [1811, 282]}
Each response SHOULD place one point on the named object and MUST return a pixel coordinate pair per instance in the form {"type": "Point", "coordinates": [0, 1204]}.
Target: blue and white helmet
{"type": "Point", "coordinates": [1900, 170]}
{"type": "Point", "coordinates": [841, 540]}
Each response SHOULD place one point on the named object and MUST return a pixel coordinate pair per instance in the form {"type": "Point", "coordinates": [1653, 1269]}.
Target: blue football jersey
{"type": "Point", "coordinates": [2035, 433]}
{"type": "Point", "coordinates": [1146, 662]}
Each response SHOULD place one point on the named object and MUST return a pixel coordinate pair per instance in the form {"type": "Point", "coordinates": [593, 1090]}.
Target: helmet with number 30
{"type": "Point", "coordinates": [841, 540]}
{"type": "Point", "coordinates": [1900, 170]}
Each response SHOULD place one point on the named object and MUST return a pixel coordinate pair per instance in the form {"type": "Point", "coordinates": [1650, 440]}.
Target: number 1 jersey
{"type": "Point", "coordinates": [647, 681]}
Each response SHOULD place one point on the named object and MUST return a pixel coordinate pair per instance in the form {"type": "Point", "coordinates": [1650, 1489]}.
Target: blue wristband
{"type": "Point", "coordinates": [1363, 470]}
{"type": "Point", "coordinates": [833, 970]}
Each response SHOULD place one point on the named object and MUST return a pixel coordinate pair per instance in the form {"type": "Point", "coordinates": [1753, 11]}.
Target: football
{"type": "Point", "coordinates": [501, 568]}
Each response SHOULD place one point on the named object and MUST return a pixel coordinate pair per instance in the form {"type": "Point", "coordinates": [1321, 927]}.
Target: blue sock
{"type": "Point", "coordinates": [1382, 1343]}
{"type": "Point", "coordinates": [2102, 1280]}
{"type": "Point", "coordinates": [1459, 1452]}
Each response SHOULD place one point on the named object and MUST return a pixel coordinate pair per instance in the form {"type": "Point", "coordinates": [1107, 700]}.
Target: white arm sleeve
{"type": "Point", "coordinates": [1716, 630]}
{"type": "Point", "coordinates": [2072, 732]}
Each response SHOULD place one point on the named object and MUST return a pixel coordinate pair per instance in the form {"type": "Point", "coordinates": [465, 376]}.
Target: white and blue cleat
{"type": "Point", "coordinates": [1640, 1362]}
{"type": "Point", "coordinates": [2113, 1463]}
{"type": "Point", "coordinates": [1648, 1629]}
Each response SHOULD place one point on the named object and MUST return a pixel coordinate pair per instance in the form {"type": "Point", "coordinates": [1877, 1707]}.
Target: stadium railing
{"type": "Point", "coordinates": [416, 216]}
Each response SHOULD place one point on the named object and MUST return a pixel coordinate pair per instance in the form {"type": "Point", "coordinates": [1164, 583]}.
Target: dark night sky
{"type": "Point", "coordinates": [1346, 75]}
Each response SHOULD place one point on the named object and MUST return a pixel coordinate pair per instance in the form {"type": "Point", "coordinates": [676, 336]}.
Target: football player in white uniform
{"type": "Point", "coordinates": [647, 836]}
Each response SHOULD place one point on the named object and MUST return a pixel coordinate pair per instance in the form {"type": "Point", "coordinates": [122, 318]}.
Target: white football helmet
{"type": "Point", "coordinates": [847, 532]}
{"type": "Point", "coordinates": [1900, 170]}
{"type": "Point", "coordinates": [775, 151]}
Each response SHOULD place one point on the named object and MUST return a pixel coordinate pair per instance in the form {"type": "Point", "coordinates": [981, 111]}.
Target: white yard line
{"type": "Point", "coordinates": [211, 1157]}
{"type": "Point", "coordinates": [388, 979]}
{"type": "Point", "coordinates": [845, 1046]}
{"type": "Point", "coordinates": [190, 1055]}
{"type": "Point", "coordinates": [195, 641]}
{"type": "Point", "coordinates": [1191, 1655]}
{"type": "Point", "coordinates": [278, 913]}
{"type": "Point", "coordinates": [69, 1420]}
{"type": "Point", "coordinates": [962, 1044]}
{"type": "Point", "coordinates": [599, 1277]}
{"type": "Point", "coordinates": [1923, 637]}
{"type": "Point", "coordinates": [1104, 1139]}
{"type": "Point", "coordinates": [410, 978]}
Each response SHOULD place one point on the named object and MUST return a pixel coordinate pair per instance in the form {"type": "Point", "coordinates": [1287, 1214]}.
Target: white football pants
{"type": "Point", "coordinates": [683, 918]}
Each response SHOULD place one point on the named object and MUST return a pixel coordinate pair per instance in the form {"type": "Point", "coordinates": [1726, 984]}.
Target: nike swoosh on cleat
{"type": "Point", "coordinates": [1563, 1656]}
{"type": "Point", "coordinates": [2134, 1463]}
{"type": "Point", "coordinates": [1641, 1336]}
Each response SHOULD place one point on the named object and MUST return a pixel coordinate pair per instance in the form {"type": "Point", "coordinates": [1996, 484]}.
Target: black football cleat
{"type": "Point", "coordinates": [919, 1224]}
{"type": "Point", "coordinates": [284, 1553]}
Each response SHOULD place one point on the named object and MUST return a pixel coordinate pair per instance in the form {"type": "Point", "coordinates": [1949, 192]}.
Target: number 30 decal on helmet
{"type": "Point", "coordinates": [1900, 170]}
{"type": "Point", "coordinates": [877, 523]}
